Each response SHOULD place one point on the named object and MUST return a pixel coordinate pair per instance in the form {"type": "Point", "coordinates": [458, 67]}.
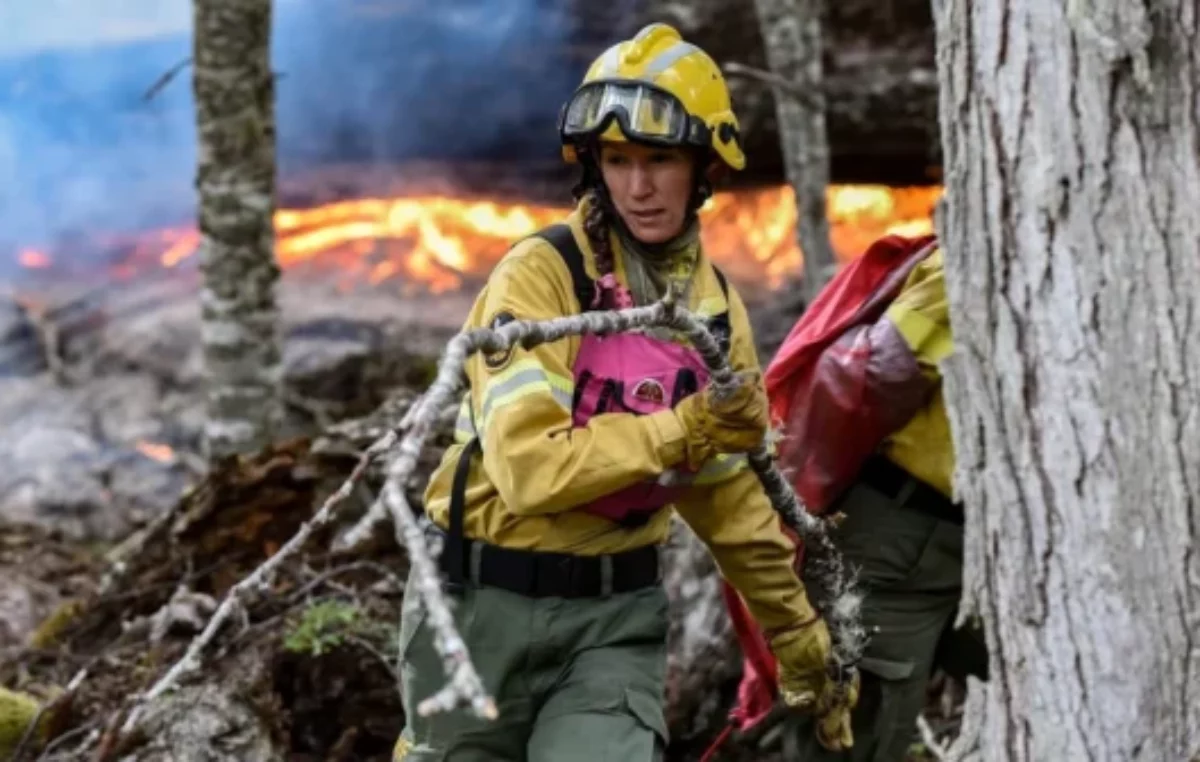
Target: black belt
{"type": "Point", "coordinates": [536, 574]}
{"type": "Point", "coordinates": [539, 574]}
{"type": "Point", "coordinates": [886, 477]}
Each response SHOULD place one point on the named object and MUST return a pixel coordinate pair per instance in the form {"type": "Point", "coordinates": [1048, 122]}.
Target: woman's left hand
{"type": "Point", "coordinates": [734, 421]}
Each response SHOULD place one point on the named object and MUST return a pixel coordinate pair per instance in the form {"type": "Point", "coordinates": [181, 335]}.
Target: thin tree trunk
{"type": "Point", "coordinates": [1070, 132]}
{"type": "Point", "coordinates": [791, 31]}
{"type": "Point", "coordinates": [235, 119]}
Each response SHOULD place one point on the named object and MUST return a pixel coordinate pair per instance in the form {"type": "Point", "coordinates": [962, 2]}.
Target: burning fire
{"type": "Point", "coordinates": [435, 243]}
{"type": "Point", "coordinates": [34, 259]}
{"type": "Point", "coordinates": [155, 451]}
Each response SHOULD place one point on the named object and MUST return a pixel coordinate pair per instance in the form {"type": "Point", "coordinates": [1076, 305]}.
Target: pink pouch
{"type": "Point", "coordinates": [639, 374]}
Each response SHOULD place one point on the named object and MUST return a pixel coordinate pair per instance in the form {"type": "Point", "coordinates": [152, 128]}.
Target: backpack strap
{"type": "Point", "coordinates": [562, 239]}
{"type": "Point", "coordinates": [454, 554]}
{"type": "Point", "coordinates": [719, 324]}
{"type": "Point", "coordinates": [559, 236]}
{"type": "Point", "coordinates": [721, 280]}
{"type": "Point", "coordinates": [586, 290]}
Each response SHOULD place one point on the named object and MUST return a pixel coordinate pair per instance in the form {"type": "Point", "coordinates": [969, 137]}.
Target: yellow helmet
{"type": "Point", "coordinates": [657, 89]}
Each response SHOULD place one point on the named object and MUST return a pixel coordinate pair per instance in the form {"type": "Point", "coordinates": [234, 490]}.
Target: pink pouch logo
{"type": "Point", "coordinates": [650, 391]}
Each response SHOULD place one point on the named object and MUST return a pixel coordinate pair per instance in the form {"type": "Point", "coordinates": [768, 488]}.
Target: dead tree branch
{"type": "Point", "coordinates": [929, 739]}
{"type": "Point", "coordinates": [966, 747]}
{"type": "Point", "coordinates": [836, 595]}
{"type": "Point", "coordinates": [165, 79]}
{"type": "Point", "coordinates": [810, 98]}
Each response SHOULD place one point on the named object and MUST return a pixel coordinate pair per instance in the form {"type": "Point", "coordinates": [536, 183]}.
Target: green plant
{"type": "Point", "coordinates": [17, 710]}
{"type": "Point", "coordinates": [325, 625]}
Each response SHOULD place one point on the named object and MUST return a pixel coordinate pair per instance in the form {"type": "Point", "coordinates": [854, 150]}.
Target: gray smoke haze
{"type": "Point", "coordinates": [81, 149]}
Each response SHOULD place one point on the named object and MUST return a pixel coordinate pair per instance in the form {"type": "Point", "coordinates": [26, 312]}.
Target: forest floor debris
{"type": "Point", "coordinates": [321, 633]}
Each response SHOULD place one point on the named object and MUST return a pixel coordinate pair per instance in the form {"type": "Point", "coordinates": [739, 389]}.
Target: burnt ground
{"type": "Point", "coordinates": [318, 637]}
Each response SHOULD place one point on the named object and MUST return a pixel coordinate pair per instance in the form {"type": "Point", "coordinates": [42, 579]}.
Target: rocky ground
{"type": "Point", "coordinates": [114, 549]}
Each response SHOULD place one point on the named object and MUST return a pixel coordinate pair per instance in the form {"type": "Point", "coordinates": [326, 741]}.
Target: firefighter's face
{"type": "Point", "coordinates": [650, 188]}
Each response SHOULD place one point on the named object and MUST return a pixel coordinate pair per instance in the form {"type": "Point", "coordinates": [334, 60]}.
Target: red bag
{"type": "Point", "coordinates": [832, 419]}
{"type": "Point", "coordinates": [838, 414]}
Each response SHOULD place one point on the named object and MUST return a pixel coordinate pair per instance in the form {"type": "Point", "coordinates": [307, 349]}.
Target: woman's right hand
{"type": "Point", "coordinates": [734, 422]}
{"type": "Point", "coordinates": [805, 683]}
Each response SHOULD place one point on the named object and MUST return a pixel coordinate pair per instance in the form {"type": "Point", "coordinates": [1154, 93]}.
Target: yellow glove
{"type": "Point", "coordinates": [833, 724]}
{"type": "Point", "coordinates": [803, 655]}
{"type": "Point", "coordinates": [734, 423]}
{"type": "Point", "coordinates": [805, 683]}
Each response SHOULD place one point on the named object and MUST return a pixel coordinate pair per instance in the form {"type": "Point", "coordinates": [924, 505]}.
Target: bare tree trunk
{"type": "Point", "coordinates": [235, 120]}
{"type": "Point", "coordinates": [1070, 132]}
{"type": "Point", "coordinates": [791, 31]}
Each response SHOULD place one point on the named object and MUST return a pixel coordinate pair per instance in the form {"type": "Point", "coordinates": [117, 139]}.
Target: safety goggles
{"type": "Point", "coordinates": [646, 113]}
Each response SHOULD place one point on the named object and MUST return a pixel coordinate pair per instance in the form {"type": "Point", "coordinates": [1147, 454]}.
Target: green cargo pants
{"type": "Point", "coordinates": [911, 569]}
{"type": "Point", "coordinates": [573, 679]}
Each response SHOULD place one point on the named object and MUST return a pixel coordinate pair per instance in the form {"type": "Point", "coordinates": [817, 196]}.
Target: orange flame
{"type": "Point", "coordinates": [435, 242]}
{"type": "Point", "coordinates": [34, 259]}
{"type": "Point", "coordinates": [159, 452]}
{"type": "Point", "coordinates": [750, 234]}
{"type": "Point", "coordinates": [183, 247]}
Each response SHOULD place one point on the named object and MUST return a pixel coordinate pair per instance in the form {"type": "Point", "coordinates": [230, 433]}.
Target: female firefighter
{"type": "Point", "coordinates": [569, 455]}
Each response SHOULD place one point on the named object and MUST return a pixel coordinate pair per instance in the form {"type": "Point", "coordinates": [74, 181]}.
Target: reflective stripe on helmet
{"type": "Point", "coordinates": [668, 57]}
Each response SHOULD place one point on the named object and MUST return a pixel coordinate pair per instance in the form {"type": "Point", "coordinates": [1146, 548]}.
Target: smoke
{"type": "Point", "coordinates": [82, 149]}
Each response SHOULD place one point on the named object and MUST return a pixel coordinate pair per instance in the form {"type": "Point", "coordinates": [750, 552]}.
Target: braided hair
{"type": "Point", "coordinates": [597, 226]}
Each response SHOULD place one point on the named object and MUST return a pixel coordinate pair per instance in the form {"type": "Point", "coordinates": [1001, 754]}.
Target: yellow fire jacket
{"type": "Point", "coordinates": [924, 446]}
{"type": "Point", "coordinates": [536, 467]}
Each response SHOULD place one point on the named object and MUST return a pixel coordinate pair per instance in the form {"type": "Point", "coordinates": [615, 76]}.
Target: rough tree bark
{"type": "Point", "coordinates": [235, 120]}
{"type": "Point", "coordinates": [1070, 132]}
{"type": "Point", "coordinates": [791, 31]}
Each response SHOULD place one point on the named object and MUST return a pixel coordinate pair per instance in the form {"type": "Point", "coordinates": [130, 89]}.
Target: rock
{"type": "Point", "coordinates": [21, 350]}
{"type": "Point", "coordinates": [116, 442]}
{"type": "Point", "coordinates": [327, 360]}
{"type": "Point", "coordinates": [71, 458]}
{"type": "Point", "coordinates": [24, 602]}
{"type": "Point", "coordinates": [52, 477]}
{"type": "Point", "coordinates": [205, 723]}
